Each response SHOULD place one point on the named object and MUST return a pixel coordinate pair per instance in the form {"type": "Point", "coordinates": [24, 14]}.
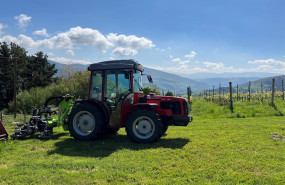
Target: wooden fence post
{"type": "Point", "coordinates": [219, 92]}
{"type": "Point", "coordinates": [189, 94]}
{"type": "Point", "coordinates": [249, 84]}
{"type": "Point", "coordinates": [231, 97]}
{"type": "Point", "coordinates": [261, 90]}
{"type": "Point", "coordinates": [237, 93]}
{"type": "Point", "coordinates": [273, 91]}
{"type": "Point", "coordinates": [213, 93]}
{"type": "Point", "coordinates": [209, 94]}
{"type": "Point", "coordinates": [283, 89]}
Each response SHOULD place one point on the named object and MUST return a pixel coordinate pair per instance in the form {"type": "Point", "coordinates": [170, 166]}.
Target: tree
{"type": "Point", "coordinates": [10, 55]}
{"type": "Point", "coordinates": [147, 90]}
{"type": "Point", "coordinates": [38, 72]}
{"type": "Point", "coordinates": [31, 71]}
{"type": "Point", "coordinates": [169, 93]}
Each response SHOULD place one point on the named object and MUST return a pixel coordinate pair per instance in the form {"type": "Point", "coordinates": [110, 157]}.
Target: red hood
{"type": "Point", "coordinates": [157, 97]}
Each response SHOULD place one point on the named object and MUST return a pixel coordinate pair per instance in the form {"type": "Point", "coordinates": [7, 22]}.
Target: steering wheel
{"type": "Point", "coordinates": [120, 97]}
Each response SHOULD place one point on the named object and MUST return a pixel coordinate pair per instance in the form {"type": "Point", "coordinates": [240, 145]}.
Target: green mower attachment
{"type": "Point", "coordinates": [44, 119]}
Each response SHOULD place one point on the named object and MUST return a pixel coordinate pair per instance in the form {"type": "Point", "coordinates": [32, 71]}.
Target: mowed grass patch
{"type": "Point", "coordinates": [207, 151]}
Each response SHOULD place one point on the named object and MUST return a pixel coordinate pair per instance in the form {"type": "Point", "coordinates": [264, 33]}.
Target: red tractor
{"type": "Point", "coordinates": [116, 100]}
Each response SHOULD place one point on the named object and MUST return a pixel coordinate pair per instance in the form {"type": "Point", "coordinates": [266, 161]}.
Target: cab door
{"type": "Point", "coordinates": [117, 87]}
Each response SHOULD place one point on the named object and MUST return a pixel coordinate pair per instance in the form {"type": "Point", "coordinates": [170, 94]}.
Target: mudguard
{"type": "Point", "coordinates": [103, 107]}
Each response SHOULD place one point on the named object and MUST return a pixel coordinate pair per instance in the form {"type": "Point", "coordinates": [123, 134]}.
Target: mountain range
{"type": "Point", "coordinates": [175, 83]}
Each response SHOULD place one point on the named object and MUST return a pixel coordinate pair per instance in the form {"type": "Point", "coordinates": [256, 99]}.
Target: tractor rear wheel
{"type": "Point", "coordinates": [144, 126]}
{"type": "Point", "coordinates": [85, 122]}
{"type": "Point", "coordinates": [164, 129]}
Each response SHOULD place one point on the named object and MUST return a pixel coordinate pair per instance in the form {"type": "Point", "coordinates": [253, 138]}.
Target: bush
{"type": "Point", "coordinates": [169, 93]}
{"type": "Point", "coordinates": [76, 85]}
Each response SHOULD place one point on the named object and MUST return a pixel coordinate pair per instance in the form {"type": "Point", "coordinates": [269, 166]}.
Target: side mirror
{"type": "Point", "coordinates": [149, 78]}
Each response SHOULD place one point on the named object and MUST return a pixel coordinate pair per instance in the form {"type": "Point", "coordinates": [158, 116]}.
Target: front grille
{"type": "Point", "coordinates": [173, 105]}
{"type": "Point", "coordinates": [185, 107]}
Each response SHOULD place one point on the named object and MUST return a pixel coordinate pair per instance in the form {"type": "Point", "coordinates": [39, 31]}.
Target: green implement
{"type": "Point", "coordinates": [44, 119]}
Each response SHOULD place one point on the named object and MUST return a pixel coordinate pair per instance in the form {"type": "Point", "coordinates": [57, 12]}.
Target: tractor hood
{"type": "Point", "coordinates": [158, 97]}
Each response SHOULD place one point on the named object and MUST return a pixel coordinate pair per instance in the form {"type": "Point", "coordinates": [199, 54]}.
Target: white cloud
{"type": "Point", "coordinates": [65, 40]}
{"type": "Point", "coordinates": [160, 49]}
{"type": "Point", "coordinates": [63, 60]}
{"type": "Point", "coordinates": [103, 51]}
{"type": "Point", "coordinates": [22, 40]}
{"type": "Point", "coordinates": [50, 54]}
{"type": "Point", "coordinates": [191, 55]}
{"type": "Point", "coordinates": [268, 61]}
{"type": "Point", "coordinates": [176, 60]}
{"type": "Point", "coordinates": [124, 51]}
{"type": "Point", "coordinates": [23, 20]}
{"type": "Point", "coordinates": [183, 69]}
{"type": "Point", "coordinates": [264, 67]}
{"type": "Point", "coordinates": [170, 56]}
{"type": "Point", "coordinates": [2, 26]}
{"type": "Point", "coordinates": [130, 41]}
{"type": "Point", "coordinates": [42, 32]}
{"type": "Point", "coordinates": [77, 36]}
{"type": "Point", "coordinates": [217, 66]}
{"type": "Point", "coordinates": [70, 52]}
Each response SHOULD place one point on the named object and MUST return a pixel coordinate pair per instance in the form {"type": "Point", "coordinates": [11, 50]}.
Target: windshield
{"type": "Point", "coordinates": [137, 78]}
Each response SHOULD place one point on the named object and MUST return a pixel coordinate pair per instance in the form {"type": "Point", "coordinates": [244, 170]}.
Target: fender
{"type": "Point", "coordinates": [105, 110]}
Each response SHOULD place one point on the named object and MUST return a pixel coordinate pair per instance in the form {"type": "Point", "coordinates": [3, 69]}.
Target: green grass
{"type": "Point", "coordinates": [207, 109]}
{"type": "Point", "coordinates": [207, 151]}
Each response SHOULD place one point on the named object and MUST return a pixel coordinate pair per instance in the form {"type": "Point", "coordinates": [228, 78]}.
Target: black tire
{"type": "Point", "coordinates": [164, 129]}
{"type": "Point", "coordinates": [86, 122]}
{"type": "Point", "coordinates": [112, 130]}
{"type": "Point", "coordinates": [144, 126]}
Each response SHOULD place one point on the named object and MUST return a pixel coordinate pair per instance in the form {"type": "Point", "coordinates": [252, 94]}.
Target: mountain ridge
{"type": "Point", "coordinates": [176, 83]}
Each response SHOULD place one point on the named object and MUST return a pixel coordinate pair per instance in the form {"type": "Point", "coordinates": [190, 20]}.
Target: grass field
{"type": "Point", "coordinates": [212, 150]}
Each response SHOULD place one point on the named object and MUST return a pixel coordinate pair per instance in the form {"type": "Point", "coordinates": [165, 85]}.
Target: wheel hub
{"type": "Point", "coordinates": [144, 127]}
{"type": "Point", "coordinates": [86, 123]}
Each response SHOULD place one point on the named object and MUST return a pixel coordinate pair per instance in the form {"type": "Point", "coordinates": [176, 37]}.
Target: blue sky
{"type": "Point", "coordinates": [181, 37]}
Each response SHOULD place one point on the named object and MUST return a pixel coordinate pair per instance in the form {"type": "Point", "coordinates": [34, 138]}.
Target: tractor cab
{"type": "Point", "coordinates": [112, 81]}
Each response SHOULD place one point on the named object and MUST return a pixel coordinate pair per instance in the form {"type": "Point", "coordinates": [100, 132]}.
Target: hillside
{"type": "Point", "coordinates": [266, 83]}
{"type": "Point", "coordinates": [172, 82]}
{"type": "Point", "coordinates": [165, 81]}
{"type": "Point", "coordinates": [225, 81]}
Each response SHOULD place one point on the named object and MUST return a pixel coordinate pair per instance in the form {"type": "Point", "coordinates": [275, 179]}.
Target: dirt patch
{"type": "Point", "coordinates": [278, 137]}
{"type": "Point", "coordinates": [38, 149]}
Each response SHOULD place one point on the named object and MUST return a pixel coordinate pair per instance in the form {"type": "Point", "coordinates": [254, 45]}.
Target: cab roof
{"type": "Point", "coordinates": [116, 64]}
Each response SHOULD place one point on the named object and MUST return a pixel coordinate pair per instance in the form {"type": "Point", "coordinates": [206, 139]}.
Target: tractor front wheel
{"type": "Point", "coordinates": [144, 126]}
{"type": "Point", "coordinates": [85, 122]}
